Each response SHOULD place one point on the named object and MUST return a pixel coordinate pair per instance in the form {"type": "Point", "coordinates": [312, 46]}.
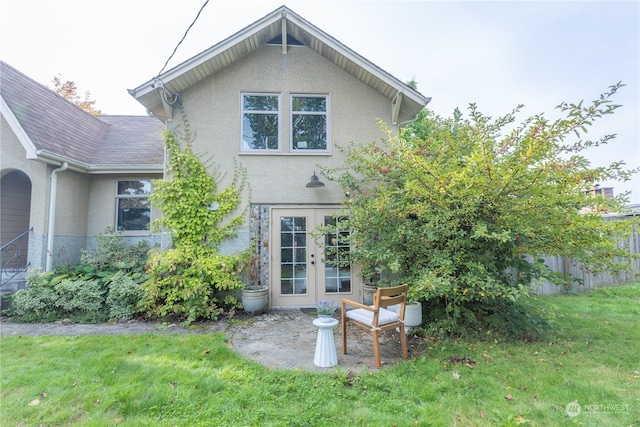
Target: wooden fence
{"type": "Point", "coordinates": [586, 280]}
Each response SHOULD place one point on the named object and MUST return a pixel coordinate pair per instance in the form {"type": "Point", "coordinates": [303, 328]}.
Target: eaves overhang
{"type": "Point", "coordinates": [154, 93]}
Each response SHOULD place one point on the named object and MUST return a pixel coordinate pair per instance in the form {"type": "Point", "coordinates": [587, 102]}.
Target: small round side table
{"type": "Point", "coordinates": [326, 356]}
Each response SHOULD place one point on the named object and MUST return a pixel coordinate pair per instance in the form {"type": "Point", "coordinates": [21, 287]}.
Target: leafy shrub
{"type": "Point", "coordinates": [82, 292]}
{"type": "Point", "coordinates": [113, 253]}
{"type": "Point", "coordinates": [497, 319]}
{"type": "Point", "coordinates": [82, 300]}
{"type": "Point", "coordinates": [36, 303]}
{"type": "Point", "coordinates": [125, 298]}
{"type": "Point", "coordinates": [464, 211]}
{"type": "Point", "coordinates": [81, 272]}
{"type": "Point", "coordinates": [192, 283]}
{"type": "Point", "coordinates": [45, 300]}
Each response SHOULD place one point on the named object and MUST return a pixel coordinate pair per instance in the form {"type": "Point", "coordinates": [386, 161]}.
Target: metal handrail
{"type": "Point", "coordinates": [16, 262]}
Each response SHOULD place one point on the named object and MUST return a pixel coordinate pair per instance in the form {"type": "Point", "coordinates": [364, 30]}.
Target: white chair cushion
{"type": "Point", "coordinates": [363, 316]}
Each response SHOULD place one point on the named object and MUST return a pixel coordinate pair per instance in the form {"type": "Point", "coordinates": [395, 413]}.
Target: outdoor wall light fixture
{"type": "Point", "coordinates": [315, 181]}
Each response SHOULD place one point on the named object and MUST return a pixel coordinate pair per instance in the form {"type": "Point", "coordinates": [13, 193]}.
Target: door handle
{"type": "Point", "coordinates": [313, 262]}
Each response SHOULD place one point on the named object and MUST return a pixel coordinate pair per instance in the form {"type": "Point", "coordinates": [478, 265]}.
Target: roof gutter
{"type": "Point", "coordinates": [56, 159]}
{"type": "Point", "coordinates": [73, 165]}
{"type": "Point", "coordinates": [406, 122]}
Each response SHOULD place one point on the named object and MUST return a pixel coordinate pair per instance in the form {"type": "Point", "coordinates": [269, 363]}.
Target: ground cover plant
{"type": "Point", "coordinates": [105, 285]}
{"type": "Point", "coordinates": [589, 362]}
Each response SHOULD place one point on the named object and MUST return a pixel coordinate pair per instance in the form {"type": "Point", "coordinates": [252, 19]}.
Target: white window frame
{"type": "Point", "coordinates": [132, 196]}
{"type": "Point", "coordinates": [310, 113]}
{"type": "Point", "coordinates": [243, 148]}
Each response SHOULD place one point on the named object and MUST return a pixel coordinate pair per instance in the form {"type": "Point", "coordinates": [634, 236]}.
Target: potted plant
{"type": "Point", "coordinates": [255, 296]}
{"type": "Point", "coordinates": [325, 310]}
{"type": "Point", "coordinates": [369, 287]}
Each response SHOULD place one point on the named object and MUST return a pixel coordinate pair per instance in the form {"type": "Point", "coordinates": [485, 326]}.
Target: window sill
{"type": "Point", "coordinates": [314, 153]}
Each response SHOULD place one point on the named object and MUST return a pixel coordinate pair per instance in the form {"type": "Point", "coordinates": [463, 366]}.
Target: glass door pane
{"type": "Point", "coordinates": [301, 272]}
{"type": "Point", "coordinates": [293, 255]}
{"type": "Point", "coordinates": [337, 272]}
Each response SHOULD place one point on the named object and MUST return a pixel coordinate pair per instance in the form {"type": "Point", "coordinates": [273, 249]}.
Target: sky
{"type": "Point", "coordinates": [496, 54]}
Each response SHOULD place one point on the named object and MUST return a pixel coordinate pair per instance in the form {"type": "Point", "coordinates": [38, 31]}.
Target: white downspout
{"type": "Point", "coordinates": [52, 212]}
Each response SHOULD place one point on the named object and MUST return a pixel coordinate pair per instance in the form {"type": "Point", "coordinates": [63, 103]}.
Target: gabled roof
{"type": "Point", "coordinates": [407, 101]}
{"type": "Point", "coordinates": [54, 130]}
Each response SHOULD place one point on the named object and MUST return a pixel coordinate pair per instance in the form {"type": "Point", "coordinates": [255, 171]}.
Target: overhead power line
{"type": "Point", "coordinates": [183, 37]}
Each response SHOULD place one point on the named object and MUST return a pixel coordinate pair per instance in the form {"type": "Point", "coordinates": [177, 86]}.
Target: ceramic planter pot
{"type": "Point", "coordinates": [412, 314]}
{"type": "Point", "coordinates": [255, 300]}
{"type": "Point", "coordinates": [368, 289]}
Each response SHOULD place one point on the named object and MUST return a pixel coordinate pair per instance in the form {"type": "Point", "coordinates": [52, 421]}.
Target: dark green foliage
{"type": "Point", "coordinates": [36, 303]}
{"type": "Point", "coordinates": [75, 300]}
{"type": "Point", "coordinates": [125, 298]}
{"type": "Point", "coordinates": [114, 254]}
{"type": "Point", "coordinates": [501, 319]}
{"type": "Point", "coordinates": [106, 285]}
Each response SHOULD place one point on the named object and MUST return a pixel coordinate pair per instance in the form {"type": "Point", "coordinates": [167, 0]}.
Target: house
{"type": "Point", "coordinates": [66, 175]}
{"type": "Point", "coordinates": [596, 190]}
{"type": "Point", "coordinates": [279, 97]}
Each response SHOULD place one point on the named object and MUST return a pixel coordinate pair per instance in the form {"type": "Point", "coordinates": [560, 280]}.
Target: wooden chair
{"type": "Point", "coordinates": [377, 318]}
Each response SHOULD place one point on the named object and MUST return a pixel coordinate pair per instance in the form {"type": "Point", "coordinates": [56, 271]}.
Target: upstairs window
{"type": "Point", "coordinates": [133, 211]}
{"type": "Point", "coordinates": [309, 125]}
{"type": "Point", "coordinates": [260, 122]}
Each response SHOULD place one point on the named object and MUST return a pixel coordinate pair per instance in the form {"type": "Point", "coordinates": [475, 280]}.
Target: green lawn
{"type": "Point", "coordinates": [592, 358]}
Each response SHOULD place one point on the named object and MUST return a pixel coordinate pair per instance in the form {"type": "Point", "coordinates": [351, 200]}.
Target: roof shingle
{"type": "Point", "coordinates": [57, 126]}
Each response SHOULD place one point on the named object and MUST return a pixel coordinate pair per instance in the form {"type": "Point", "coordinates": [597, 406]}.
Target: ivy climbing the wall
{"type": "Point", "coordinates": [192, 280]}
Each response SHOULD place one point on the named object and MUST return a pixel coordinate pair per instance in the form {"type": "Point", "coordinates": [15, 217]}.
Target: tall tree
{"type": "Point", "coordinates": [69, 91]}
{"type": "Point", "coordinates": [464, 209]}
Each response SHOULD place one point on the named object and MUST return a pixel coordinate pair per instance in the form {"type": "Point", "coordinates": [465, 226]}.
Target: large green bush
{"type": "Point", "coordinates": [464, 210]}
{"type": "Point", "coordinates": [191, 283]}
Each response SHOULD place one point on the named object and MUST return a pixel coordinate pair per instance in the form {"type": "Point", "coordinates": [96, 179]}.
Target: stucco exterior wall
{"type": "Point", "coordinates": [71, 203]}
{"type": "Point", "coordinates": [213, 109]}
{"type": "Point", "coordinates": [13, 157]}
{"type": "Point", "coordinates": [85, 204]}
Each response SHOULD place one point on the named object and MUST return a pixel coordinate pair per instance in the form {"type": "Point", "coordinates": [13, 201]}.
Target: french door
{"type": "Point", "coordinates": [302, 274]}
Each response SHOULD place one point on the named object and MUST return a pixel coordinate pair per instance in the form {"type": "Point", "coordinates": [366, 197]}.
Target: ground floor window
{"type": "Point", "coordinates": [133, 211]}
